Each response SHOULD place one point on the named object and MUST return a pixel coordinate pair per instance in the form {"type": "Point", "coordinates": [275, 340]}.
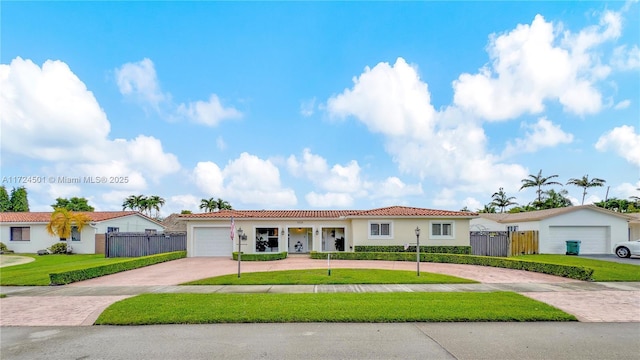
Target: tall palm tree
{"type": "Point", "coordinates": [539, 181]}
{"type": "Point", "coordinates": [585, 183]}
{"type": "Point", "coordinates": [155, 202]}
{"type": "Point", "coordinates": [63, 221]}
{"type": "Point", "coordinates": [501, 200]}
{"type": "Point", "coordinates": [208, 205]}
{"type": "Point", "coordinates": [223, 205]}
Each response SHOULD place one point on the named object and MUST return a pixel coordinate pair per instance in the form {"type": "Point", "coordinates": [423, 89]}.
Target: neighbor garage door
{"type": "Point", "coordinates": [593, 239]}
{"type": "Point", "coordinates": [209, 241]}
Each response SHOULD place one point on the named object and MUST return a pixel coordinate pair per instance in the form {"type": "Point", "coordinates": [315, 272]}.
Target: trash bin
{"type": "Point", "coordinates": [573, 247]}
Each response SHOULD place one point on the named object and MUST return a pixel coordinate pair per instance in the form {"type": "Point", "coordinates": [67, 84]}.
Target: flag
{"type": "Point", "coordinates": [233, 229]}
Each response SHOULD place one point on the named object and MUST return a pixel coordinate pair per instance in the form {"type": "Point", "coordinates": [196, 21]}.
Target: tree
{"type": "Point", "coordinates": [19, 201]}
{"type": "Point", "coordinates": [185, 212]}
{"type": "Point", "coordinates": [5, 200]}
{"type": "Point", "coordinates": [135, 203]}
{"type": "Point", "coordinates": [585, 183]}
{"type": "Point", "coordinates": [63, 222]}
{"type": "Point", "coordinates": [488, 209]}
{"type": "Point", "coordinates": [223, 205]}
{"type": "Point", "coordinates": [636, 199]}
{"type": "Point", "coordinates": [155, 202]}
{"type": "Point", "coordinates": [553, 199]}
{"type": "Point", "coordinates": [538, 181]}
{"type": "Point", "coordinates": [501, 200]}
{"type": "Point", "coordinates": [73, 204]}
{"type": "Point", "coordinates": [208, 205]}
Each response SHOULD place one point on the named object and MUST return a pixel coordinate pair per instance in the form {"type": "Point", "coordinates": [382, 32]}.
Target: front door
{"type": "Point", "coordinates": [300, 240]}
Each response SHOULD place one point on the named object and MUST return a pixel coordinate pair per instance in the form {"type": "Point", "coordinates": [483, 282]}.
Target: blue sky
{"type": "Point", "coordinates": [317, 105]}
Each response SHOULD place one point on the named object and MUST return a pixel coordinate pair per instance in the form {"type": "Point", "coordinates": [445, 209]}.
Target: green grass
{"type": "Point", "coordinates": [37, 272]}
{"type": "Point", "coordinates": [338, 276]}
{"type": "Point", "coordinates": [602, 270]}
{"type": "Point", "coordinates": [150, 309]}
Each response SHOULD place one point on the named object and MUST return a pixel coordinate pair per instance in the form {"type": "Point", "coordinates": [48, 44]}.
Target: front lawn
{"type": "Point", "coordinates": [37, 272]}
{"type": "Point", "coordinates": [602, 270]}
{"type": "Point", "coordinates": [338, 276]}
{"type": "Point", "coordinates": [148, 309]}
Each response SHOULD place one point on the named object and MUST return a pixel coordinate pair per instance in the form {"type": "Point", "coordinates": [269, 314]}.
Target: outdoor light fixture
{"type": "Point", "coordinates": [317, 232]}
{"type": "Point", "coordinates": [282, 232]}
{"type": "Point", "coordinates": [417, 250]}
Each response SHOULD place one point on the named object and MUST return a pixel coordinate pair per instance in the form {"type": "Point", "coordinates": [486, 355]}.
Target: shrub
{"type": "Point", "coordinates": [412, 249]}
{"type": "Point", "coordinates": [90, 273]}
{"type": "Point", "coordinates": [260, 257]}
{"type": "Point", "coordinates": [58, 248]}
{"type": "Point", "coordinates": [573, 272]}
{"type": "Point", "coordinates": [3, 247]}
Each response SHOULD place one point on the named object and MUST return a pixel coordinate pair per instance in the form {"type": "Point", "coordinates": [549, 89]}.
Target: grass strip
{"type": "Point", "coordinates": [148, 309]}
{"type": "Point", "coordinates": [338, 276]}
{"type": "Point", "coordinates": [602, 270]}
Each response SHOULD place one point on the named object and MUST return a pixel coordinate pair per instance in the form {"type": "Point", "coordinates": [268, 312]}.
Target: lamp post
{"type": "Point", "coordinates": [240, 233]}
{"type": "Point", "coordinates": [418, 250]}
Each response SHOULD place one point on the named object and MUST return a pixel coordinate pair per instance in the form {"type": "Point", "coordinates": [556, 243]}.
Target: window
{"type": "Point", "coordinates": [22, 233]}
{"type": "Point", "coordinates": [442, 230]}
{"type": "Point", "coordinates": [380, 229]}
{"type": "Point", "coordinates": [512, 228]}
{"type": "Point", "coordinates": [111, 229]}
{"type": "Point", "coordinates": [150, 231]}
{"type": "Point", "coordinates": [267, 239]}
{"type": "Point", "coordinates": [75, 234]}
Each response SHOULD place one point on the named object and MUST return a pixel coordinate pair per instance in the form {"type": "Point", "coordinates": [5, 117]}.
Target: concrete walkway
{"type": "Point", "coordinates": [81, 303]}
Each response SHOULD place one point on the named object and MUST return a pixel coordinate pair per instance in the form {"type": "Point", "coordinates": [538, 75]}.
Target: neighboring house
{"type": "Point", "coordinates": [174, 224]}
{"type": "Point", "coordinates": [25, 232]}
{"type": "Point", "coordinates": [634, 226]}
{"type": "Point", "coordinates": [597, 228]}
{"type": "Point", "coordinates": [303, 231]}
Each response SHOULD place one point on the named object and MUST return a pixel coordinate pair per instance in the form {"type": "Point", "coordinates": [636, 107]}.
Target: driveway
{"type": "Point", "coordinates": [53, 306]}
{"type": "Point", "coordinates": [634, 260]}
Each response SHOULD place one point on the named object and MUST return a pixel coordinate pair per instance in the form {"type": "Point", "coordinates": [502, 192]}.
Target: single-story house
{"type": "Point", "coordinates": [634, 226]}
{"type": "Point", "coordinates": [25, 232]}
{"type": "Point", "coordinates": [597, 228]}
{"type": "Point", "coordinates": [303, 231]}
{"type": "Point", "coordinates": [174, 224]}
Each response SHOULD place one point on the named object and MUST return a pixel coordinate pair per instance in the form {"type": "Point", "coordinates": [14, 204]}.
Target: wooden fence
{"type": "Point", "coordinates": [118, 244]}
{"type": "Point", "coordinates": [503, 243]}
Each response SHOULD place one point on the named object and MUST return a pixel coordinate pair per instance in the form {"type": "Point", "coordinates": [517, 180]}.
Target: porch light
{"type": "Point", "coordinates": [282, 232]}
{"type": "Point", "coordinates": [317, 232]}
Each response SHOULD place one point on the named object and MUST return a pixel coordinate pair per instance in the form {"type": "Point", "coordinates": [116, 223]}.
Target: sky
{"type": "Point", "coordinates": [317, 105]}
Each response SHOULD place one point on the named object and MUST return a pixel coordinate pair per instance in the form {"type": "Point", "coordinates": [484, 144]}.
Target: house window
{"type": "Point", "coordinates": [380, 229]}
{"type": "Point", "coordinates": [75, 234]}
{"type": "Point", "coordinates": [512, 228]}
{"type": "Point", "coordinates": [150, 231]}
{"type": "Point", "coordinates": [21, 233]}
{"type": "Point", "coordinates": [267, 239]}
{"type": "Point", "coordinates": [111, 229]}
{"type": "Point", "coordinates": [442, 230]}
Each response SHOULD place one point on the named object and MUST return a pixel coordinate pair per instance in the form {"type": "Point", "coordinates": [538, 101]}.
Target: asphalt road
{"type": "Point", "coordinates": [476, 341]}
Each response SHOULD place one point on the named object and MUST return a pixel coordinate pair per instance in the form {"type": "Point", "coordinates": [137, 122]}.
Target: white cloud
{"type": "Point", "coordinates": [220, 144]}
{"type": "Point", "coordinates": [177, 203]}
{"type": "Point", "coordinates": [329, 200]}
{"type": "Point", "coordinates": [626, 59]}
{"type": "Point", "coordinates": [139, 81]}
{"type": "Point", "coordinates": [623, 141]}
{"type": "Point", "coordinates": [472, 204]}
{"type": "Point", "coordinates": [622, 104]}
{"type": "Point", "coordinates": [208, 178]}
{"type": "Point", "coordinates": [529, 67]}
{"type": "Point", "coordinates": [394, 188]}
{"type": "Point", "coordinates": [49, 115]}
{"type": "Point", "coordinates": [539, 135]}
{"type": "Point", "coordinates": [626, 190]}
{"type": "Point", "coordinates": [310, 166]}
{"type": "Point", "coordinates": [307, 108]}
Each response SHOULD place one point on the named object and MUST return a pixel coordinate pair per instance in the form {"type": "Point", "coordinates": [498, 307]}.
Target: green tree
{"type": "Point", "coordinates": [135, 203]}
{"type": "Point", "coordinates": [553, 199]}
{"type": "Point", "coordinates": [5, 200]}
{"type": "Point", "coordinates": [19, 200]}
{"type": "Point", "coordinates": [63, 221]}
{"type": "Point", "coordinates": [155, 202]}
{"type": "Point", "coordinates": [223, 205]}
{"type": "Point", "coordinates": [585, 183]}
{"type": "Point", "coordinates": [539, 181]}
{"type": "Point", "coordinates": [185, 212]}
{"type": "Point", "coordinates": [208, 205]}
{"type": "Point", "coordinates": [501, 200]}
{"type": "Point", "coordinates": [73, 204]}
{"type": "Point", "coordinates": [488, 209]}
{"type": "Point", "coordinates": [615, 204]}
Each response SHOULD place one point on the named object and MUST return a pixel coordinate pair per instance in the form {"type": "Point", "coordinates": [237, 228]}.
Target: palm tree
{"type": "Point", "coordinates": [539, 181]}
{"type": "Point", "coordinates": [155, 202]}
{"type": "Point", "coordinates": [223, 205]}
{"type": "Point", "coordinates": [63, 221]}
{"type": "Point", "coordinates": [135, 202]}
{"type": "Point", "coordinates": [555, 199]}
{"type": "Point", "coordinates": [208, 205]}
{"type": "Point", "coordinates": [585, 183]}
{"type": "Point", "coordinates": [501, 200]}
{"type": "Point", "coordinates": [488, 209]}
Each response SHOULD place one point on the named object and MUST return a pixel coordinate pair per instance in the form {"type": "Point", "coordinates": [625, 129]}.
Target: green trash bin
{"type": "Point", "coordinates": [573, 247]}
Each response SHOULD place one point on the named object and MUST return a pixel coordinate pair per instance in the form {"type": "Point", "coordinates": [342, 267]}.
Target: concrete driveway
{"type": "Point", "coordinates": [634, 260]}
{"type": "Point", "coordinates": [81, 303]}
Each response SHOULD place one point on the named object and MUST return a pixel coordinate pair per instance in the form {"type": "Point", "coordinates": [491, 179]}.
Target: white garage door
{"type": "Point", "coordinates": [593, 239]}
{"type": "Point", "coordinates": [210, 241]}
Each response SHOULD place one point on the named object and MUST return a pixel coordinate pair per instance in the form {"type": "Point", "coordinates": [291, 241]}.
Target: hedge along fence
{"type": "Point", "coordinates": [412, 249]}
{"type": "Point", "coordinates": [572, 272]}
{"type": "Point", "coordinates": [260, 257]}
{"type": "Point", "coordinates": [69, 277]}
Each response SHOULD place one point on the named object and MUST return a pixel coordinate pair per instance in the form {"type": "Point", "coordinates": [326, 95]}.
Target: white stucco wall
{"type": "Point", "coordinates": [40, 239]}
{"type": "Point", "coordinates": [403, 232]}
{"type": "Point", "coordinates": [130, 223]}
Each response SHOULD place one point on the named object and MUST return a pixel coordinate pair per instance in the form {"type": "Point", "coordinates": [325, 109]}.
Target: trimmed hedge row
{"type": "Point", "coordinates": [463, 250]}
{"type": "Point", "coordinates": [69, 277]}
{"type": "Point", "coordinates": [261, 257]}
{"type": "Point", "coordinates": [572, 272]}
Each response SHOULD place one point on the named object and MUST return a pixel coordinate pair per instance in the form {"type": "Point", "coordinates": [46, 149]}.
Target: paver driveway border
{"type": "Point", "coordinates": [589, 302]}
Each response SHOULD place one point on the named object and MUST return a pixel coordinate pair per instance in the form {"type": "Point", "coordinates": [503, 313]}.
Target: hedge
{"type": "Point", "coordinates": [572, 272]}
{"type": "Point", "coordinates": [412, 249]}
{"type": "Point", "coordinates": [260, 257]}
{"type": "Point", "coordinates": [69, 277]}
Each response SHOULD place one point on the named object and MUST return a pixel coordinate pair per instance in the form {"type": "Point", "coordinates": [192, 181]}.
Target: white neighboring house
{"type": "Point", "coordinates": [25, 232]}
{"type": "Point", "coordinates": [634, 226]}
{"type": "Point", "coordinates": [597, 228]}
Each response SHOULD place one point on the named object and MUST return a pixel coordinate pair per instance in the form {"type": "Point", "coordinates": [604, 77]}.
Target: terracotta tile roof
{"type": "Point", "coordinates": [44, 217]}
{"type": "Point", "coordinates": [392, 211]}
{"type": "Point", "coordinates": [545, 214]}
